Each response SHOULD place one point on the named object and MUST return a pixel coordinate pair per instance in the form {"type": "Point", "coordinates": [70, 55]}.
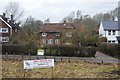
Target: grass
{"type": "Point", "coordinates": [14, 69]}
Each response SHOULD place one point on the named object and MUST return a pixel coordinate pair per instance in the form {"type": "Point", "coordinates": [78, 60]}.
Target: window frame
{"type": "Point", "coordinates": [57, 41]}
{"type": "Point", "coordinates": [113, 32]}
{"type": "Point", "coordinates": [44, 34]}
{"type": "Point", "coordinates": [50, 41]}
{"type": "Point", "coordinates": [109, 32]}
{"type": "Point", "coordinates": [2, 30]}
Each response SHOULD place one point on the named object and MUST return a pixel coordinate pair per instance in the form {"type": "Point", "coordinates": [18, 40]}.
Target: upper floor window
{"type": "Point", "coordinates": [68, 34]}
{"type": "Point", "coordinates": [113, 32]}
{"type": "Point", "coordinates": [57, 34]}
{"type": "Point", "coordinates": [44, 34]}
{"type": "Point", "coordinates": [3, 30]}
{"type": "Point", "coordinates": [109, 32]}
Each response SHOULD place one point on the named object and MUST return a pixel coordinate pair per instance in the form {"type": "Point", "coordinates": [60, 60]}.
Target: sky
{"type": "Point", "coordinates": [56, 10]}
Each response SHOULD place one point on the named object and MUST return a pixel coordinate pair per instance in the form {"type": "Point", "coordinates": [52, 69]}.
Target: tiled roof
{"type": "Point", "coordinates": [55, 27]}
{"type": "Point", "coordinates": [110, 25]}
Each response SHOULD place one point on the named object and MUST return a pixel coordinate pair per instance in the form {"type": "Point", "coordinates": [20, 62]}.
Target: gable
{"type": "Point", "coordinates": [2, 20]}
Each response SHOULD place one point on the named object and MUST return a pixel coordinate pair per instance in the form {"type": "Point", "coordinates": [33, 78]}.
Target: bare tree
{"type": "Point", "coordinates": [13, 8]}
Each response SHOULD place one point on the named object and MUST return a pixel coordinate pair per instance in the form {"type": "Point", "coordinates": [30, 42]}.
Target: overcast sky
{"type": "Point", "coordinates": [58, 9]}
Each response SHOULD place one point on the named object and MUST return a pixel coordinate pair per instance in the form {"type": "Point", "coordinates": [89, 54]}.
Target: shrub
{"type": "Point", "coordinates": [110, 49]}
{"type": "Point", "coordinates": [19, 49]}
{"type": "Point", "coordinates": [70, 51]}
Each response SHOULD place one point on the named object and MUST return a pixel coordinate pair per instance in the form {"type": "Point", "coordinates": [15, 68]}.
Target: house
{"type": "Point", "coordinates": [51, 33]}
{"type": "Point", "coordinates": [7, 28]}
{"type": "Point", "coordinates": [110, 30]}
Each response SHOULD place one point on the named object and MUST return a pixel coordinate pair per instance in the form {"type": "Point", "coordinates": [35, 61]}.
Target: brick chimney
{"type": "Point", "coordinates": [11, 19]}
{"type": "Point", "coordinates": [4, 15]}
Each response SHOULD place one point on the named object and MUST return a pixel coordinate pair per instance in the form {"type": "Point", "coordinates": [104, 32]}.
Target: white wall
{"type": "Point", "coordinates": [112, 37]}
{"type": "Point", "coordinates": [101, 30]}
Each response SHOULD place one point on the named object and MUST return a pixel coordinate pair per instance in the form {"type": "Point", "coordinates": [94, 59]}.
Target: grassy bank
{"type": "Point", "coordinates": [14, 69]}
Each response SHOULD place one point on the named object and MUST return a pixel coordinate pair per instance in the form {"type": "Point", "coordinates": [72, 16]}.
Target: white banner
{"type": "Point", "coordinates": [42, 63]}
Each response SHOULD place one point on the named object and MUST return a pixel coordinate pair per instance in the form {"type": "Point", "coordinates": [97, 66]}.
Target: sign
{"type": "Point", "coordinates": [42, 63]}
{"type": "Point", "coordinates": [40, 52]}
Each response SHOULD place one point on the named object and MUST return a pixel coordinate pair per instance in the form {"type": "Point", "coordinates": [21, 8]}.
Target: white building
{"type": "Point", "coordinates": [110, 30]}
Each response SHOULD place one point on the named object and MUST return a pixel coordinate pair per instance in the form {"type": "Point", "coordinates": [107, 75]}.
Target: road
{"type": "Point", "coordinates": [58, 58]}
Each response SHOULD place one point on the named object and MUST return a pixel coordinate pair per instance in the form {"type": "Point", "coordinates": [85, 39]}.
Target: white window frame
{"type": "Point", "coordinates": [113, 32]}
{"type": "Point", "coordinates": [1, 30]}
{"type": "Point", "coordinates": [57, 41]}
{"type": "Point", "coordinates": [4, 39]}
{"type": "Point", "coordinates": [44, 34]}
{"type": "Point", "coordinates": [57, 34]}
{"type": "Point", "coordinates": [109, 32]}
{"type": "Point", "coordinates": [50, 41]}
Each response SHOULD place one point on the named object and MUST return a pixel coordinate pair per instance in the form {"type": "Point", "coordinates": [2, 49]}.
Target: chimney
{"type": "Point", "coordinates": [11, 17]}
{"type": "Point", "coordinates": [4, 15]}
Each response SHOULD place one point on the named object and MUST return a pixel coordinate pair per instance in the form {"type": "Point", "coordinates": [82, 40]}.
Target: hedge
{"type": "Point", "coordinates": [19, 49]}
{"type": "Point", "coordinates": [49, 50]}
{"type": "Point", "coordinates": [110, 49]}
{"type": "Point", "coordinates": [70, 51]}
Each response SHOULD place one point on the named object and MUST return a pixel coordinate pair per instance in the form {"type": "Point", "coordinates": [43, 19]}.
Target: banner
{"type": "Point", "coordinates": [42, 63]}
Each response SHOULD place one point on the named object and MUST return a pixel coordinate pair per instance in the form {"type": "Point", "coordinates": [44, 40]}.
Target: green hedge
{"type": "Point", "coordinates": [70, 51]}
{"type": "Point", "coordinates": [31, 48]}
{"type": "Point", "coordinates": [19, 49]}
{"type": "Point", "coordinates": [110, 49]}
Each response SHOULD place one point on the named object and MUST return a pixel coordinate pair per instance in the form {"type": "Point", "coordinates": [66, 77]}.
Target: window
{"type": "Point", "coordinates": [16, 30]}
{"type": "Point", "coordinates": [4, 30]}
{"type": "Point", "coordinates": [113, 41]}
{"type": "Point", "coordinates": [109, 41]}
{"type": "Point", "coordinates": [109, 32]}
{"type": "Point", "coordinates": [57, 34]}
{"type": "Point", "coordinates": [50, 41]}
{"type": "Point", "coordinates": [44, 41]}
{"type": "Point", "coordinates": [4, 39]}
{"type": "Point", "coordinates": [113, 32]}
{"type": "Point", "coordinates": [68, 34]}
{"type": "Point", "coordinates": [44, 34]}
{"type": "Point", "coordinates": [57, 41]}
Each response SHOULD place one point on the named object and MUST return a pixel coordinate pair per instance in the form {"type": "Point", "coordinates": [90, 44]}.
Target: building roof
{"type": "Point", "coordinates": [110, 25]}
{"type": "Point", "coordinates": [5, 22]}
{"type": "Point", "coordinates": [55, 27]}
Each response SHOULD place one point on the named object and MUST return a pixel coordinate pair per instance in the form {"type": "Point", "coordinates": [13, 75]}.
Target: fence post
{"type": "Point", "coordinates": [45, 57]}
{"type": "Point", "coordinates": [6, 55]}
{"type": "Point", "coordinates": [37, 56]}
{"type": "Point", "coordinates": [29, 56]}
{"type": "Point", "coordinates": [69, 59]}
{"type": "Point", "coordinates": [22, 56]}
{"type": "Point", "coordinates": [14, 55]}
{"type": "Point", "coordinates": [54, 59]}
{"type": "Point", "coordinates": [61, 58]}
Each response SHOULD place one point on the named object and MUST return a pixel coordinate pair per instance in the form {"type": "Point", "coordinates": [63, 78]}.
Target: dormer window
{"type": "Point", "coordinates": [113, 32]}
{"type": "Point", "coordinates": [44, 34]}
{"type": "Point", "coordinates": [109, 32]}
